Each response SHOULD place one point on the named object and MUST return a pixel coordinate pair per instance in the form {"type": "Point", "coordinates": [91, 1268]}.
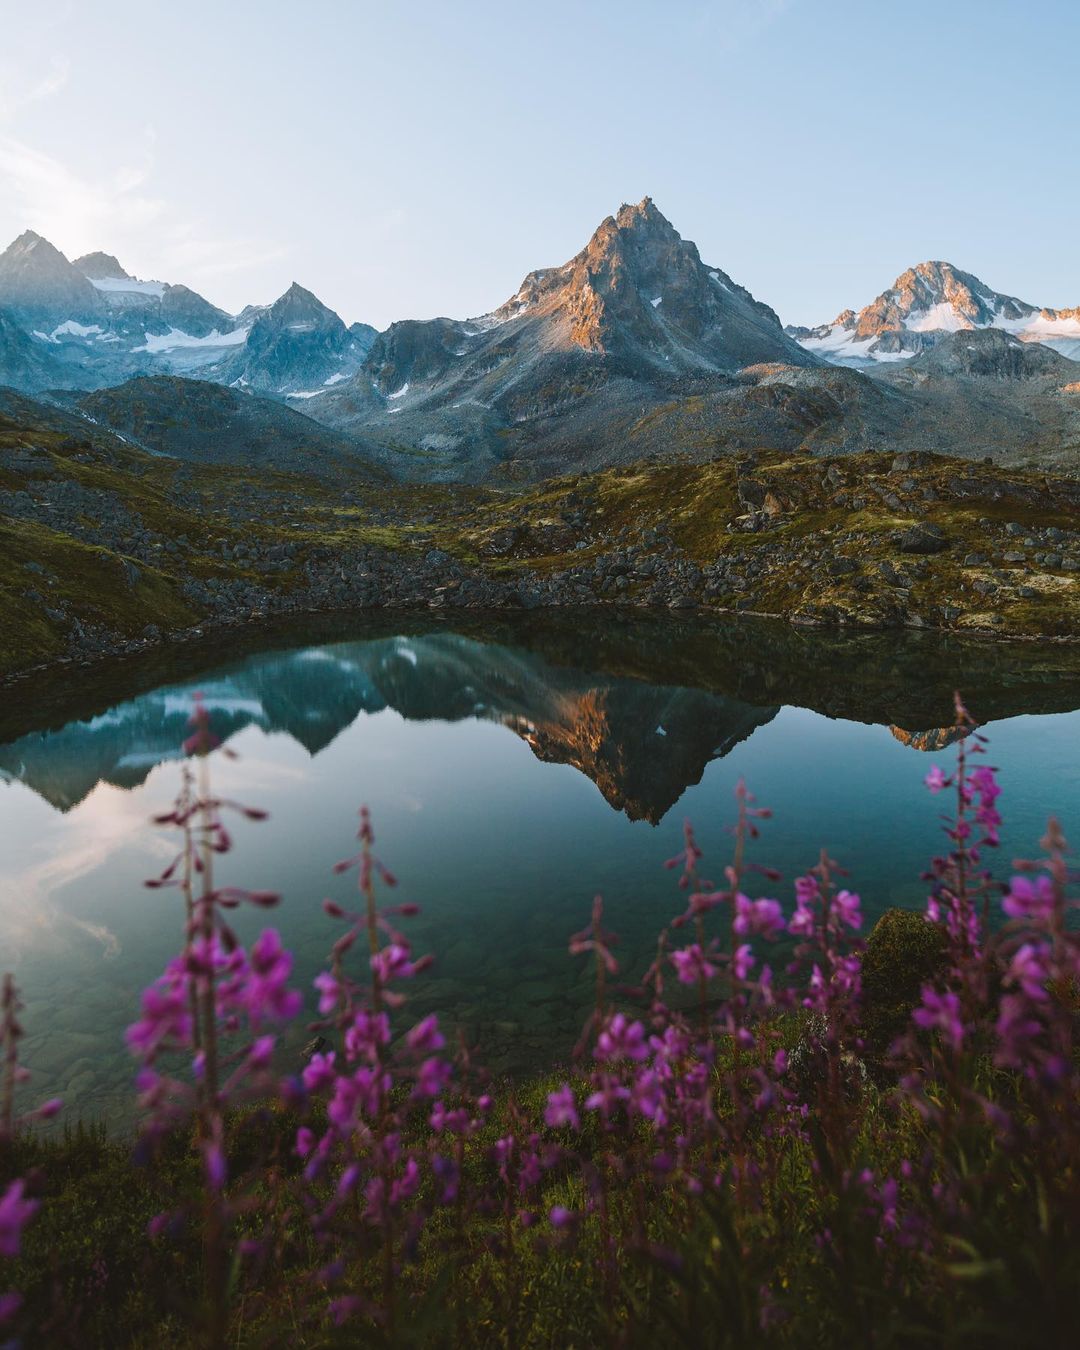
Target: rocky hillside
{"type": "Point", "coordinates": [105, 548]}
{"type": "Point", "coordinates": [926, 303]}
{"type": "Point", "coordinates": [983, 392]}
{"type": "Point", "coordinates": [203, 423]}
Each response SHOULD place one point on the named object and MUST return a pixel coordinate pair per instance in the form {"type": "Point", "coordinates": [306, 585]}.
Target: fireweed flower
{"type": "Point", "coordinates": [330, 992]}
{"type": "Point", "coordinates": [368, 1036]}
{"type": "Point", "coordinates": [561, 1108]}
{"type": "Point", "coordinates": [648, 1098]}
{"type": "Point", "coordinates": [1017, 1031]}
{"type": "Point", "coordinates": [691, 965]}
{"type": "Point", "coordinates": [763, 918]}
{"type": "Point", "coordinates": [936, 780]}
{"type": "Point", "coordinates": [1028, 969]}
{"type": "Point", "coordinates": [847, 908]}
{"type": "Point", "coordinates": [609, 1092]}
{"type": "Point", "coordinates": [394, 963]}
{"type": "Point", "coordinates": [319, 1072]}
{"type": "Point", "coordinates": [432, 1077]}
{"type": "Point", "coordinates": [621, 1039]}
{"type": "Point", "coordinates": [941, 1011]}
{"type": "Point", "coordinates": [743, 962]}
{"type": "Point", "coordinates": [266, 994]}
{"type": "Point", "coordinates": [425, 1037]}
{"type": "Point", "coordinates": [15, 1213]}
{"type": "Point", "coordinates": [1030, 899]}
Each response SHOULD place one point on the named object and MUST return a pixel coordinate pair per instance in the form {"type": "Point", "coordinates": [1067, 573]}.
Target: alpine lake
{"type": "Point", "coordinates": [515, 766]}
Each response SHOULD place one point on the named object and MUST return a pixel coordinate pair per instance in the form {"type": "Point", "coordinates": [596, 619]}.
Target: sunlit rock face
{"type": "Point", "coordinates": [923, 306]}
{"type": "Point", "coordinates": [577, 352]}
{"type": "Point", "coordinates": [937, 738]}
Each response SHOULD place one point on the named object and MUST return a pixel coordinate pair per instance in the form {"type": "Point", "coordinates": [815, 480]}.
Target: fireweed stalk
{"type": "Point", "coordinates": [830, 1076]}
{"type": "Point", "coordinates": [676, 1105]}
{"type": "Point", "coordinates": [991, 1067]}
{"type": "Point", "coordinates": [16, 1207]}
{"type": "Point", "coordinates": [213, 1003]}
{"type": "Point", "coordinates": [360, 1153]}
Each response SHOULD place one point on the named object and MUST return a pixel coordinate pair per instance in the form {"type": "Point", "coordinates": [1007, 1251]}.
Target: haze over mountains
{"type": "Point", "coordinates": [89, 325]}
{"type": "Point", "coordinates": [634, 347]}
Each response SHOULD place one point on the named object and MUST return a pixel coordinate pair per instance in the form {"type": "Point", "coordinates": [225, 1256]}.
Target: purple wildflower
{"type": "Point", "coordinates": [936, 779]}
{"type": "Point", "coordinates": [432, 1077]}
{"type": "Point", "coordinates": [266, 994]}
{"type": "Point", "coordinates": [426, 1037]}
{"type": "Point", "coordinates": [758, 917]}
{"type": "Point", "coordinates": [561, 1108]}
{"type": "Point", "coordinates": [1030, 899]}
{"type": "Point", "coordinates": [691, 964]}
{"type": "Point", "coordinates": [15, 1213]}
{"type": "Point", "coordinates": [941, 1011]}
{"type": "Point", "coordinates": [621, 1039]}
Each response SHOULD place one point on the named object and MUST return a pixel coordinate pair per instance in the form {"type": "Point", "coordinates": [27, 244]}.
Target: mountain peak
{"type": "Point", "coordinates": [298, 302]}
{"type": "Point", "coordinates": [644, 212]}
{"type": "Point", "coordinates": [99, 266]}
{"type": "Point", "coordinates": [31, 244]}
{"type": "Point", "coordinates": [298, 348]}
{"type": "Point", "coordinates": [38, 281]}
{"type": "Point", "coordinates": [927, 301]}
{"type": "Point", "coordinates": [936, 296]}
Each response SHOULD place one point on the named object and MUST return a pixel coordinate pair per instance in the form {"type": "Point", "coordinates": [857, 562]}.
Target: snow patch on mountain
{"type": "Point", "coordinates": [74, 329]}
{"type": "Point", "coordinates": [128, 286]}
{"type": "Point", "coordinates": [939, 318]}
{"type": "Point", "coordinates": [176, 338]}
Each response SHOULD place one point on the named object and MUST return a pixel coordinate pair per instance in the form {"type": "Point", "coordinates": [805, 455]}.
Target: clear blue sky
{"type": "Point", "coordinates": [407, 160]}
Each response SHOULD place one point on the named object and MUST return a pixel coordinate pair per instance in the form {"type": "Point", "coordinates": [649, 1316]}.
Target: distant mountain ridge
{"type": "Point", "coordinates": [90, 324]}
{"type": "Point", "coordinates": [634, 348]}
{"type": "Point", "coordinates": [922, 305]}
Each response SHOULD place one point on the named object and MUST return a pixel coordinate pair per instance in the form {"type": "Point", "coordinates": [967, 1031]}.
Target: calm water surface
{"type": "Point", "coordinates": [513, 770]}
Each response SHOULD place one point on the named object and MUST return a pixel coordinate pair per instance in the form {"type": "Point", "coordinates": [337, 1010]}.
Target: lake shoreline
{"type": "Point", "coordinates": [868, 542]}
{"type": "Point", "coordinates": [217, 625]}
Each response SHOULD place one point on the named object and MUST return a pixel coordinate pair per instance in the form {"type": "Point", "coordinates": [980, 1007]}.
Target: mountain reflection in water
{"type": "Point", "coordinates": [503, 839]}
{"type": "Point", "coordinates": [592, 700]}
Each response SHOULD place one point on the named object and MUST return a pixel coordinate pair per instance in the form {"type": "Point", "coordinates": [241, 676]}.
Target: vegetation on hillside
{"type": "Point", "coordinates": [105, 548]}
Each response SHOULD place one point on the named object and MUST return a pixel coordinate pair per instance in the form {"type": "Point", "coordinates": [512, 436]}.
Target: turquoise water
{"type": "Point", "coordinates": [512, 773]}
